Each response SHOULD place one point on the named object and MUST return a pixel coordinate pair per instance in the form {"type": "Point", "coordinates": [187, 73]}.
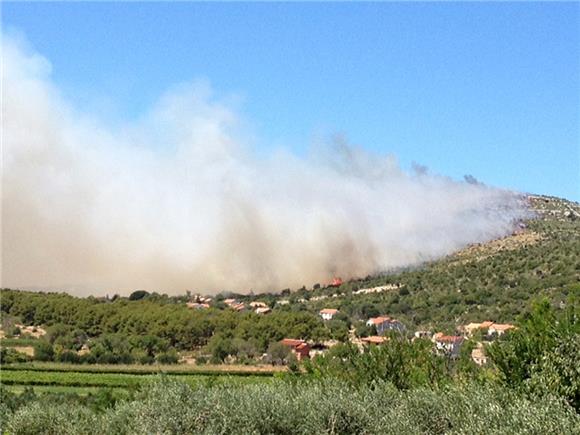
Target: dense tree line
{"type": "Point", "coordinates": [150, 328]}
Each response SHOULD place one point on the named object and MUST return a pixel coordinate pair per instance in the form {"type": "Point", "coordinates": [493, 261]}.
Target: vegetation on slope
{"type": "Point", "coordinates": [494, 281]}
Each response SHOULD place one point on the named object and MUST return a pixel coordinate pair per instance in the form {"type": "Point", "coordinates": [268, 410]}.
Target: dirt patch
{"type": "Point", "coordinates": [26, 350]}
{"type": "Point", "coordinates": [481, 251]}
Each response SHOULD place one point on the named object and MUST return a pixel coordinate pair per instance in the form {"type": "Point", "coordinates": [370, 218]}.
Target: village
{"type": "Point", "coordinates": [380, 328]}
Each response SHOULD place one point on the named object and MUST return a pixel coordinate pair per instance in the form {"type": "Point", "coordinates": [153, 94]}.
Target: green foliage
{"type": "Point", "coordinates": [330, 407]}
{"type": "Point", "coordinates": [364, 330]}
{"type": "Point", "coordinates": [13, 331]}
{"type": "Point", "coordinates": [18, 342]}
{"type": "Point", "coordinates": [114, 380]}
{"type": "Point", "coordinates": [169, 357]}
{"type": "Point", "coordinates": [132, 369]}
{"type": "Point", "coordinates": [152, 325]}
{"type": "Point", "coordinates": [278, 353]}
{"type": "Point", "coordinates": [403, 363]}
{"type": "Point", "coordinates": [43, 351]}
{"type": "Point", "coordinates": [138, 295]}
{"type": "Point", "coordinates": [220, 348]}
{"type": "Point", "coordinates": [539, 333]}
{"type": "Point", "coordinates": [558, 371]}
{"type": "Point", "coordinates": [11, 356]}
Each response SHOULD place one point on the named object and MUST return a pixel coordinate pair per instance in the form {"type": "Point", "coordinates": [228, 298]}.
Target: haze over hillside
{"type": "Point", "coordinates": [94, 208]}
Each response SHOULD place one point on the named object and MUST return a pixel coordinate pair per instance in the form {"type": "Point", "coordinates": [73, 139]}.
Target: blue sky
{"type": "Point", "coordinates": [488, 89]}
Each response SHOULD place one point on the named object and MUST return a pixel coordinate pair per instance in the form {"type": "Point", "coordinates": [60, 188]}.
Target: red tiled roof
{"type": "Point", "coordinates": [293, 342]}
{"type": "Point", "coordinates": [328, 311]}
{"type": "Point", "coordinates": [379, 320]}
{"type": "Point", "coordinates": [501, 327]}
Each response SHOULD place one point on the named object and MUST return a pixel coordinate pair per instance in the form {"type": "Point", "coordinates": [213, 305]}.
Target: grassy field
{"type": "Point", "coordinates": [81, 391]}
{"type": "Point", "coordinates": [18, 342]}
{"type": "Point", "coordinates": [81, 379]}
{"type": "Point", "coordinates": [177, 369]}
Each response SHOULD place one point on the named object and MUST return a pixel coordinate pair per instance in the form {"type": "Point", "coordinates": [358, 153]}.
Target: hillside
{"type": "Point", "coordinates": [92, 354]}
{"type": "Point", "coordinates": [495, 280]}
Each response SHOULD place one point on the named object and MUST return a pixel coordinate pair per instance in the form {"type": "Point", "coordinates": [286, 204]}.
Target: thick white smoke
{"type": "Point", "coordinates": [176, 201]}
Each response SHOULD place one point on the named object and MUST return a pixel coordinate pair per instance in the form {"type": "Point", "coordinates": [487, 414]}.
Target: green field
{"type": "Point", "coordinates": [18, 342]}
{"type": "Point", "coordinates": [81, 379]}
{"type": "Point", "coordinates": [57, 389]}
{"type": "Point", "coordinates": [140, 369]}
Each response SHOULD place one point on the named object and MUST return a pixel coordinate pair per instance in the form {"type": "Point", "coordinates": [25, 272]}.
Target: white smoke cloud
{"type": "Point", "coordinates": [179, 201]}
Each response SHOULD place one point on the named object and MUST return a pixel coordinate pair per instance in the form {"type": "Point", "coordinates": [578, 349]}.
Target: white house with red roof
{"type": "Point", "coordinates": [328, 313]}
{"type": "Point", "coordinates": [449, 344]}
{"type": "Point", "coordinates": [384, 323]}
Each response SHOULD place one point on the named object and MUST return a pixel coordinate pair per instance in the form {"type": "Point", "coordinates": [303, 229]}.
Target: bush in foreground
{"type": "Point", "coordinates": [329, 406]}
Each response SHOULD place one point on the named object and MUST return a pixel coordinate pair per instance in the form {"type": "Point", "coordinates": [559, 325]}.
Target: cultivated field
{"type": "Point", "coordinates": [81, 379]}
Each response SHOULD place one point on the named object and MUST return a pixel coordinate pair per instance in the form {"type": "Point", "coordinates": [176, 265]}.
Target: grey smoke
{"type": "Point", "coordinates": [178, 200]}
{"type": "Point", "coordinates": [419, 169]}
{"type": "Point", "coordinates": [472, 180]}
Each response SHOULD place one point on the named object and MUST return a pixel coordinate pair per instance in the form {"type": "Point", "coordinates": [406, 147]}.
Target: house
{"type": "Point", "coordinates": [384, 324]}
{"type": "Point", "coordinates": [318, 298]}
{"type": "Point", "coordinates": [197, 306]}
{"type": "Point", "coordinates": [478, 355]}
{"type": "Point", "coordinates": [257, 304]}
{"type": "Point", "coordinates": [234, 304]}
{"type": "Point", "coordinates": [422, 334]}
{"type": "Point", "coordinates": [374, 339]}
{"type": "Point", "coordinates": [262, 310]}
{"type": "Point", "coordinates": [328, 313]}
{"type": "Point", "coordinates": [298, 347]}
{"type": "Point", "coordinates": [320, 348]}
{"type": "Point", "coordinates": [499, 329]}
{"type": "Point", "coordinates": [471, 328]}
{"type": "Point", "coordinates": [448, 344]}
{"type": "Point", "coordinates": [239, 307]}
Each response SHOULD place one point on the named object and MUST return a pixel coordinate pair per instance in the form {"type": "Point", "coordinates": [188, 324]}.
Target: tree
{"type": "Point", "coordinates": [43, 351]}
{"type": "Point", "coordinates": [138, 295]}
{"type": "Point", "coordinates": [220, 348]}
{"type": "Point", "coordinates": [169, 357]}
{"type": "Point", "coordinates": [278, 352]}
{"type": "Point", "coordinates": [540, 331]}
{"type": "Point", "coordinates": [558, 371]}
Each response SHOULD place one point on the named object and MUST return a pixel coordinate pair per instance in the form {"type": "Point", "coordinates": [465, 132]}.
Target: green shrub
{"type": "Point", "coordinates": [306, 407]}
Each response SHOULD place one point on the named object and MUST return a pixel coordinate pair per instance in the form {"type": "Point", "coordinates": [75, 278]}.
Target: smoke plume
{"type": "Point", "coordinates": [179, 200]}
